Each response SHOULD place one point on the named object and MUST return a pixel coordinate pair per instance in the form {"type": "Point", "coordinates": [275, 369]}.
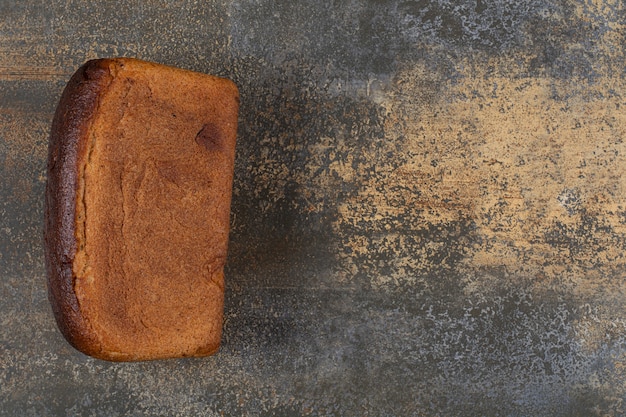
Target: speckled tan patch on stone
{"type": "Point", "coordinates": [535, 164]}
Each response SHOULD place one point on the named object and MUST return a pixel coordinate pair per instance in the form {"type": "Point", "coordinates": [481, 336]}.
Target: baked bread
{"type": "Point", "coordinates": [137, 211]}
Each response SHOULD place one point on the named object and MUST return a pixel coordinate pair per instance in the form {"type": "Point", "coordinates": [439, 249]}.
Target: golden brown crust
{"type": "Point", "coordinates": [137, 209]}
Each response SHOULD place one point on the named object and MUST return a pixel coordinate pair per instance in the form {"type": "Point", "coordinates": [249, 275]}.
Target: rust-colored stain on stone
{"type": "Point", "coordinates": [537, 175]}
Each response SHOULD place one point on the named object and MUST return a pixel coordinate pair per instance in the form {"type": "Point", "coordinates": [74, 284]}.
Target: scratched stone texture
{"type": "Point", "coordinates": [429, 215]}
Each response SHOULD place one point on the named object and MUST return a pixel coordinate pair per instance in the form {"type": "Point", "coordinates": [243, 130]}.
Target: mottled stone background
{"type": "Point", "coordinates": [429, 216]}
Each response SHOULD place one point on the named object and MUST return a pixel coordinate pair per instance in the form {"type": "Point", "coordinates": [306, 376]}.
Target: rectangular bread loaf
{"type": "Point", "coordinates": [137, 211]}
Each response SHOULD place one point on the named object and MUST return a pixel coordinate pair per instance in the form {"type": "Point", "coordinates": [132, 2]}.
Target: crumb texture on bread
{"type": "Point", "coordinates": [151, 189]}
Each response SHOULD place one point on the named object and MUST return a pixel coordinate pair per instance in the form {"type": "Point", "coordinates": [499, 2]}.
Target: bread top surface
{"type": "Point", "coordinates": [138, 203]}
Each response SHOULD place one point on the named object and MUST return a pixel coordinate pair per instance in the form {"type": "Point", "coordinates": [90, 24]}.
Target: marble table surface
{"type": "Point", "coordinates": [428, 216]}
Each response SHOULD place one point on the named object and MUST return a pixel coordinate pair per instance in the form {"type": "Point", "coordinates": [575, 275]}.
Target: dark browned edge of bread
{"type": "Point", "coordinates": [72, 119]}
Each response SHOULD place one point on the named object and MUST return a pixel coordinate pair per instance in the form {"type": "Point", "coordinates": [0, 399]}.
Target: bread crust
{"type": "Point", "coordinates": [67, 148]}
{"type": "Point", "coordinates": [70, 147]}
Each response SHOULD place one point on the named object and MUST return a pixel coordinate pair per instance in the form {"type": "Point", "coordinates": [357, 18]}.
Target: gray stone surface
{"type": "Point", "coordinates": [429, 216]}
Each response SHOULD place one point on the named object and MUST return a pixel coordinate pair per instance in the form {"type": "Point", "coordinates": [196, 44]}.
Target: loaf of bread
{"type": "Point", "coordinates": [137, 211]}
